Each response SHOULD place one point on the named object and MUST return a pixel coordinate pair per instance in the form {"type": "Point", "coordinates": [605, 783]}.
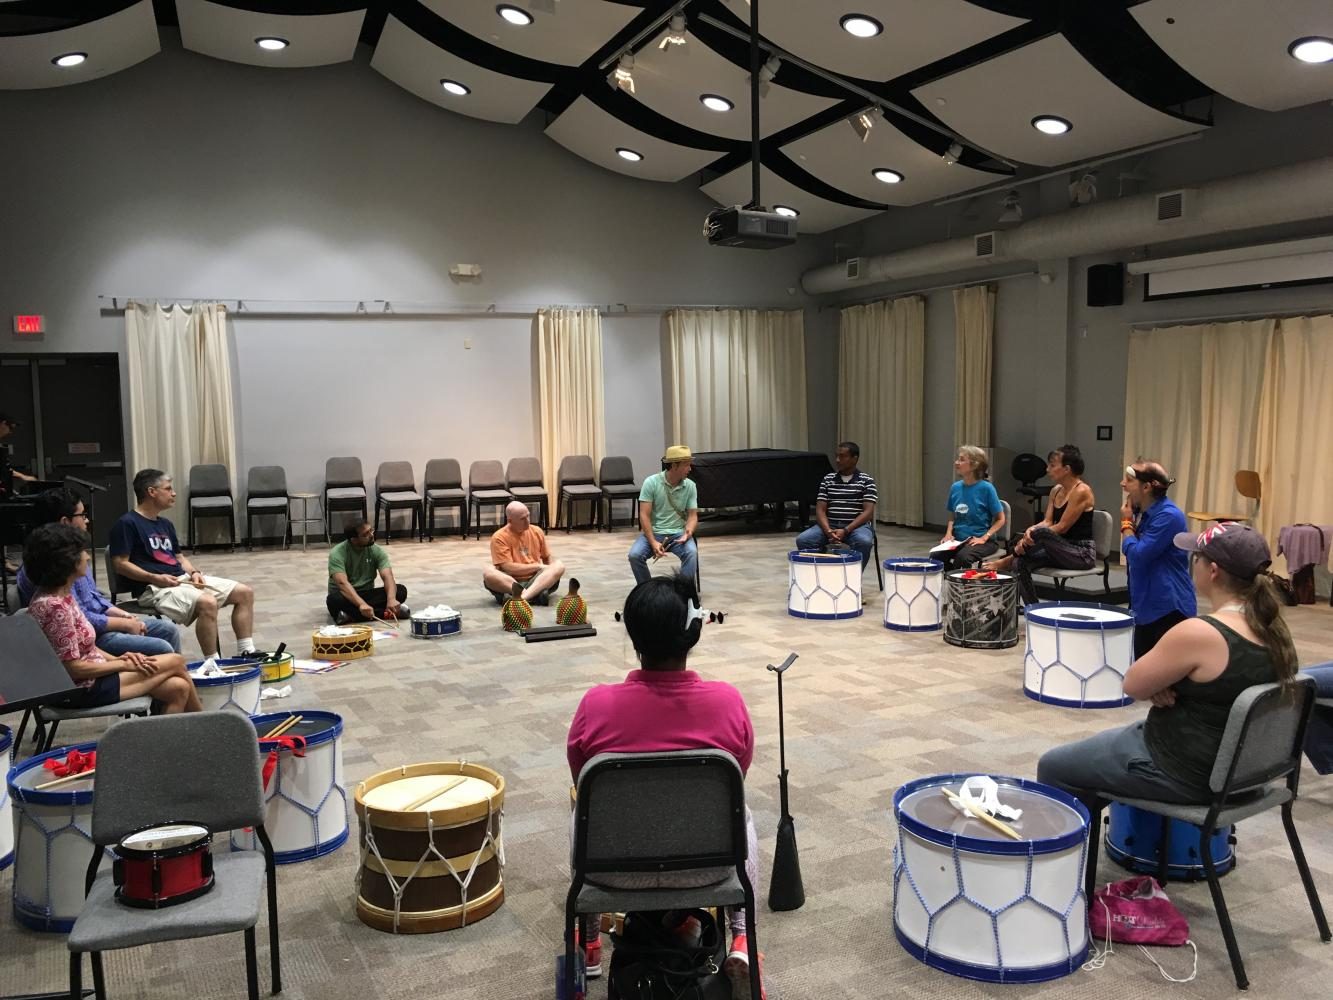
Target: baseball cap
{"type": "Point", "coordinates": [677, 453]}
{"type": "Point", "coordinates": [1236, 547]}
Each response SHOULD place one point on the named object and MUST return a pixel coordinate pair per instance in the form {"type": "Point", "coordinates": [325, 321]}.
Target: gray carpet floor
{"type": "Point", "coordinates": [867, 709]}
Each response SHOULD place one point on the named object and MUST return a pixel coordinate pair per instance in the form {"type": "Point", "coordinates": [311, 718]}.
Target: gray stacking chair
{"type": "Point", "coordinates": [1005, 535]}
{"type": "Point", "coordinates": [524, 480]}
{"type": "Point", "coordinates": [205, 770]}
{"type": "Point", "coordinates": [266, 496]}
{"type": "Point", "coordinates": [344, 490]}
{"type": "Point", "coordinates": [575, 482]}
{"type": "Point", "coordinates": [1103, 537]}
{"type": "Point", "coordinates": [616, 476]}
{"type": "Point", "coordinates": [444, 488]}
{"type": "Point", "coordinates": [1258, 768]}
{"type": "Point", "coordinates": [660, 812]}
{"type": "Point", "coordinates": [396, 489]}
{"type": "Point", "coordinates": [486, 488]}
{"type": "Point", "coordinates": [210, 496]}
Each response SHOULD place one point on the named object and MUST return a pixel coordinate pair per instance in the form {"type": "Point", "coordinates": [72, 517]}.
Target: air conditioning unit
{"type": "Point", "coordinates": [986, 245]}
{"type": "Point", "coordinates": [1173, 206]}
{"type": "Point", "coordinates": [1266, 265]}
{"type": "Point", "coordinates": [853, 268]}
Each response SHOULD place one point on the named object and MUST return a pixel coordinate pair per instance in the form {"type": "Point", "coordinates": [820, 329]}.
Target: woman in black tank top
{"type": "Point", "coordinates": [1192, 677]}
{"type": "Point", "coordinates": [1063, 539]}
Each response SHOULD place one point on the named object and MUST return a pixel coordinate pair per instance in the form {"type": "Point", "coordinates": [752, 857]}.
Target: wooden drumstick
{"type": "Point", "coordinates": [982, 815]}
{"type": "Point", "coordinates": [282, 727]}
{"type": "Point", "coordinates": [434, 795]}
{"type": "Point", "coordinates": [66, 779]}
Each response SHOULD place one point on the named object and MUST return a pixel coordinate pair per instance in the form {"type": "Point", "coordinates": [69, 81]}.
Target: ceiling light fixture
{"type": "Point", "coordinates": [953, 153]}
{"type": "Point", "coordinates": [860, 25]}
{"type": "Point", "coordinates": [766, 73]}
{"type": "Point", "coordinates": [786, 210]}
{"type": "Point", "coordinates": [622, 77]}
{"type": "Point", "coordinates": [70, 59]}
{"type": "Point", "coordinates": [633, 155]}
{"type": "Point", "coordinates": [1013, 210]}
{"type": "Point", "coordinates": [272, 43]}
{"type": "Point", "coordinates": [456, 88]}
{"type": "Point", "coordinates": [886, 175]}
{"type": "Point", "coordinates": [516, 16]}
{"type": "Point", "coordinates": [862, 124]}
{"type": "Point", "coordinates": [715, 102]}
{"type": "Point", "coordinates": [1051, 125]}
{"type": "Point", "coordinates": [1314, 49]}
{"type": "Point", "coordinates": [675, 34]}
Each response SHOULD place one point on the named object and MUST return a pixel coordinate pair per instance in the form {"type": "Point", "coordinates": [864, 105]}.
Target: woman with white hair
{"type": "Point", "coordinates": [976, 515]}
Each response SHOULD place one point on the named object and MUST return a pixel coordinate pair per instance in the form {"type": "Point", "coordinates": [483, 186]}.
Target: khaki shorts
{"type": "Point", "coordinates": [180, 603]}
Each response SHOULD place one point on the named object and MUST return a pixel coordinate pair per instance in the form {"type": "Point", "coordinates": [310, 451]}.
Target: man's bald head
{"type": "Point", "coordinates": [517, 514]}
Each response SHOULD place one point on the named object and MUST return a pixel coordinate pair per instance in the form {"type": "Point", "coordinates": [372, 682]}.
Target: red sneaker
{"type": "Point", "coordinates": [737, 968]}
{"type": "Point", "coordinates": [592, 959]}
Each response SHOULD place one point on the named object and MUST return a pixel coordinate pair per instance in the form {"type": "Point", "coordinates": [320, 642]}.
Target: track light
{"type": "Point", "coordinates": [766, 73]}
{"type": "Point", "coordinates": [953, 153]}
{"type": "Point", "coordinates": [675, 34]}
{"type": "Point", "coordinates": [622, 77]}
{"type": "Point", "coordinates": [1013, 210]}
{"type": "Point", "coordinates": [862, 124]}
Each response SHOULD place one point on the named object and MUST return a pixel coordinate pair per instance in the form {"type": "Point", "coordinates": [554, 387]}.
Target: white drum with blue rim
{"type": "Point", "coordinates": [971, 901]}
{"type": "Point", "coordinates": [52, 842]}
{"type": "Point", "coordinates": [912, 590]}
{"type": "Point", "coordinates": [436, 626]}
{"type": "Point", "coordinates": [305, 812]}
{"type": "Point", "coordinates": [238, 690]}
{"type": "Point", "coordinates": [6, 806]}
{"type": "Point", "coordinates": [824, 585]}
{"type": "Point", "coordinates": [1077, 654]}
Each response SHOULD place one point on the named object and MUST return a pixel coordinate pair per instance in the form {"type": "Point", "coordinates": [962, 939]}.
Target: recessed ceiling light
{"type": "Point", "coordinates": [1051, 125]}
{"type": "Point", "coordinates": [514, 15]}
{"type": "Point", "coordinates": [634, 156]}
{"type": "Point", "coordinates": [272, 44]}
{"type": "Point", "coordinates": [70, 59]}
{"type": "Point", "coordinates": [715, 102]}
{"type": "Point", "coordinates": [456, 88]}
{"type": "Point", "coordinates": [886, 175]}
{"type": "Point", "coordinates": [860, 25]}
{"type": "Point", "coordinates": [1314, 49]}
{"type": "Point", "coordinates": [786, 210]}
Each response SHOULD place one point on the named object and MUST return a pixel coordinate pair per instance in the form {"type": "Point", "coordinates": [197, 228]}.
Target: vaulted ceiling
{"type": "Point", "coordinates": [1110, 75]}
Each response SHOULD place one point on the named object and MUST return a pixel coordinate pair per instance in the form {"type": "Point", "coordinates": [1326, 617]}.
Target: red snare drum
{"type": "Point", "coordinates": [164, 865]}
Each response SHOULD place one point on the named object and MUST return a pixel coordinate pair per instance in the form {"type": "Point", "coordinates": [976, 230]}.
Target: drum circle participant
{"type": "Point", "coordinates": [844, 507]}
{"type": "Point", "coordinates": [1161, 594]}
{"type": "Point", "coordinates": [975, 513]}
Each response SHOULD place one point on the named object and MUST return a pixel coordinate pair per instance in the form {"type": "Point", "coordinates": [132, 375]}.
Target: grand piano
{"type": "Point", "coordinates": [758, 476]}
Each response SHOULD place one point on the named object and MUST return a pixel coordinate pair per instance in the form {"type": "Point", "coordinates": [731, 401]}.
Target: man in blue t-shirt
{"type": "Point", "coordinates": [145, 551]}
{"type": "Point", "coordinates": [976, 515]}
{"type": "Point", "coordinates": [844, 507]}
{"type": "Point", "coordinates": [1161, 593]}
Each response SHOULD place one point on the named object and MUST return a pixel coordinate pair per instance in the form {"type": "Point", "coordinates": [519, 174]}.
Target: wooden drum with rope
{"type": "Point", "coordinates": [432, 858]}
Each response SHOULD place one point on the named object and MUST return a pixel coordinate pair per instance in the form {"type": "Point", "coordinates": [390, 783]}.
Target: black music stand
{"type": "Point", "coordinates": [30, 675]}
{"type": "Point", "coordinates": [93, 489]}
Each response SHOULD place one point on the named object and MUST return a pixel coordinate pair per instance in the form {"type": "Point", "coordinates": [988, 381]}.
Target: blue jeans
{"type": "Point", "coordinates": [162, 637]}
{"type": "Point", "coordinates": [862, 539]}
{"type": "Point", "coordinates": [1319, 736]}
{"type": "Point", "coordinates": [640, 552]}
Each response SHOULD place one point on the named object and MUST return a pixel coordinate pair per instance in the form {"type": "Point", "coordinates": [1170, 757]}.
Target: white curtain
{"type": "Point", "coordinates": [569, 374]}
{"type": "Point", "coordinates": [881, 399]}
{"type": "Point", "coordinates": [736, 378]}
{"type": "Point", "coordinates": [181, 410]}
{"type": "Point", "coordinates": [974, 334]}
{"type": "Point", "coordinates": [1209, 400]}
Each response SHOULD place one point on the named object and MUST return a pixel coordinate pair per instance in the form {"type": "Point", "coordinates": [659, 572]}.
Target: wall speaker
{"type": "Point", "coordinates": [1106, 285]}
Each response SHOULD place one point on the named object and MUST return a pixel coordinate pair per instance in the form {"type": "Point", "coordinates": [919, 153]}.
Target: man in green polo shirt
{"type": "Point", "coordinates": [353, 563]}
{"type": "Point", "coordinates": [668, 515]}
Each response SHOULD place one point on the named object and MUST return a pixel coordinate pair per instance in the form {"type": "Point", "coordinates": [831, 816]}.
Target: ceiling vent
{"type": "Point", "coordinates": [985, 245]}
{"type": "Point", "coordinates": [1172, 206]}
{"type": "Point", "coordinates": [853, 268]}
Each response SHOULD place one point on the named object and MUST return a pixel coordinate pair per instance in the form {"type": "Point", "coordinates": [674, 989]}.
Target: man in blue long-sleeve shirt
{"type": "Point", "coordinates": [117, 630]}
{"type": "Point", "coordinates": [1161, 592]}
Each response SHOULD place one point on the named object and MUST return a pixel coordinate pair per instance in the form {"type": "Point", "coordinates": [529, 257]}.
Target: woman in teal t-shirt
{"type": "Point", "coordinates": [975, 513]}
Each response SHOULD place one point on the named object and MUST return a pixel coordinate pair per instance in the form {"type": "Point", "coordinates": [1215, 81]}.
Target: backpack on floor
{"type": "Point", "coordinates": [651, 961]}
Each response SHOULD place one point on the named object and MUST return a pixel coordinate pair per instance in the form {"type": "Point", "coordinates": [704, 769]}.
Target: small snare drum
{"type": "Point", "coordinates": [163, 865]}
{"type": "Point", "coordinates": [436, 627]}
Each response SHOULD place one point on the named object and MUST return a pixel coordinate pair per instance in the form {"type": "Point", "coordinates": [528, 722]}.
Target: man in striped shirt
{"type": "Point", "coordinates": [845, 507]}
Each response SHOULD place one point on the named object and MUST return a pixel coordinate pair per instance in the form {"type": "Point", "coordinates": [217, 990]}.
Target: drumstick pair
{"type": "Point", "coordinates": [282, 727]}
{"type": "Point", "coordinates": [981, 814]}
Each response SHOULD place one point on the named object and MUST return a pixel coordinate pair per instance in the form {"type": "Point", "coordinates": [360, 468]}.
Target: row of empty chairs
{"type": "Point", "coordinates": [490, 484]}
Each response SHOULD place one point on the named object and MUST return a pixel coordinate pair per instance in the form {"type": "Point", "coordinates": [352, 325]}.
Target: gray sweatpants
{"type": "Point", "coordinates": [1117, 763]}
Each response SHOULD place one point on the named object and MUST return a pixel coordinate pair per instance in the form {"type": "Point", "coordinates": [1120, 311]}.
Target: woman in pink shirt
{"type": "Point", "coordinates": [54, 557]}
{"type": "Point", "coordinates": [664, 706]}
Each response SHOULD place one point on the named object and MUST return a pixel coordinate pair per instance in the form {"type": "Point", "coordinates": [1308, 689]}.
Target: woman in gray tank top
{"type": "Point", "coordinates": [1191, 676]}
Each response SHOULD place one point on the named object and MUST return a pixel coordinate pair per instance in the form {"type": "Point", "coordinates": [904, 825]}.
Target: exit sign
{"type": "Point", "coordinates": [28, 325]}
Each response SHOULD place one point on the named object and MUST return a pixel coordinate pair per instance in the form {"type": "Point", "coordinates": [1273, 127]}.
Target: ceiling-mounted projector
{"type": "Point", "coordinates": [749, 228]}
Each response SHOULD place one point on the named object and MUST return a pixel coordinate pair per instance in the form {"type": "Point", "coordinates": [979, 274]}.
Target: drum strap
{"type": "Point", "coordinates": [296, 744]}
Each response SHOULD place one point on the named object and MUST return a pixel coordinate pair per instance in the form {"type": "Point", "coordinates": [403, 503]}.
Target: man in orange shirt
{"type": "Point", "coordinates": [519, 555]}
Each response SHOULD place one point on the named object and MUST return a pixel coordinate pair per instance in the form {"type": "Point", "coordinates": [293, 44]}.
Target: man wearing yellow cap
{"type": "Point", "coordinates": [668, 515]}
